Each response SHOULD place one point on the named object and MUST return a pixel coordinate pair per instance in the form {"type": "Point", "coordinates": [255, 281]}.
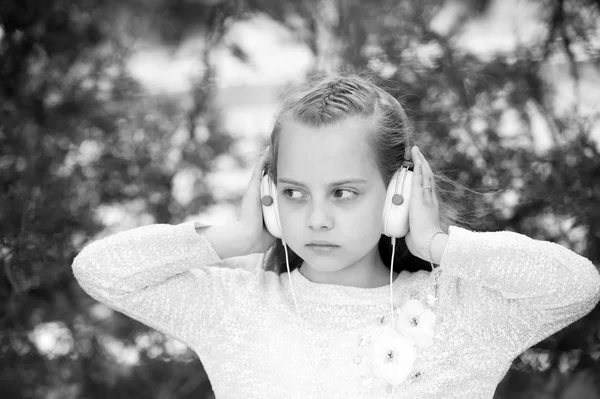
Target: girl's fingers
{"type": "Point", "coordinates": [259, 167]}
{"type": "Point", "coordinates": [428, 179]}
{"type": "Point", "coordinates": [427, 172]}
{"type": "Point", "coordinates": [417, 183]}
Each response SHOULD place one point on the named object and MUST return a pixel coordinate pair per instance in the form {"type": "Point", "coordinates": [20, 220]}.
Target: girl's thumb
{"type": "Point", "coordinates": [260, 166]}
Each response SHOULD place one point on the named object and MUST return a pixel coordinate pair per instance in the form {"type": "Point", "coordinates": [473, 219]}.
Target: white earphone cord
{"type": "Point", "coordinates": [392, 298]}
{"type": "Point", "coordinates": [312, 366]}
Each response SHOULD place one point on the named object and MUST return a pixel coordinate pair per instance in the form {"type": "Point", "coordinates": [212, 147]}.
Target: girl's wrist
{"type": "Point", "coordinates": [437, 247]}
{"type": "Point", "coordinates": [224, 239]}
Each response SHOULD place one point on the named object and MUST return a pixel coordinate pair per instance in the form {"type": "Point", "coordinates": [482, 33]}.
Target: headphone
{"type": "Point", "coordinates": [395, 223]}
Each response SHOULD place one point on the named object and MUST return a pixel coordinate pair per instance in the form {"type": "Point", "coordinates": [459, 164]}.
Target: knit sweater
{"type": "Point", "coordinates": [499, 293]}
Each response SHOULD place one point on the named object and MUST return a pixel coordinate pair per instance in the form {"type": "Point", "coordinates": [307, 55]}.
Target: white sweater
{"type": "Point", "coordinates": [499, 294]}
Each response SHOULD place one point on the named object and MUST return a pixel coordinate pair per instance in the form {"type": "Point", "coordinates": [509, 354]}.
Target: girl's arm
{"type": "Point", "coordinates": [518, 290]}
{"type": "Point", "coordinates": [158, 274]}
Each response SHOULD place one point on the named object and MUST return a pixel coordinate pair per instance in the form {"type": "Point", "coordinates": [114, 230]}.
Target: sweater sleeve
{"type": "Point", "coordinates": [160, 275]}
{"type": "Point", "coordinates": [517, 290]}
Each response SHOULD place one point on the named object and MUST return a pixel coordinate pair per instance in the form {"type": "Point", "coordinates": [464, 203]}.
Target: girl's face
{"type": "Point", "coordinates": [329, 188]}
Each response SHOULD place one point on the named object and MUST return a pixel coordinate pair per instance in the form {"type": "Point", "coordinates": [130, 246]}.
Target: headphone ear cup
{"type": "Point", "coordinates": [270, 206]}
{"type": "Point", "coordinates": [395, 208]}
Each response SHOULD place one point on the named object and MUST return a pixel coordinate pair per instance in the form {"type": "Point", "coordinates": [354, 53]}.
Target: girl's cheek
{"type": "Point", "coordinates": [288, 217]}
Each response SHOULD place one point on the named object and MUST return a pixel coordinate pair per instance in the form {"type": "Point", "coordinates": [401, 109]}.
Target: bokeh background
{"type": "Point", "coordinates": [121, 113]}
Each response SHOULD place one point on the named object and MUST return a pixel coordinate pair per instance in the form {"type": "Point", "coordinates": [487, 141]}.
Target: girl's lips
{"type": "Point", "coordinates": [322, 248]}
{"type": "Point", "coordinates": [322, 242]}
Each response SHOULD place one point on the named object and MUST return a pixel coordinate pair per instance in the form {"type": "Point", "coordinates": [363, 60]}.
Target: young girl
{"type": "Point", "coordinates": [327, 329]}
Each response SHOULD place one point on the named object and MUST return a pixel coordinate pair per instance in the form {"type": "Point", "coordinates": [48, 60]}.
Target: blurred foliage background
{"type": "Point", "coordinates": [115, 114]}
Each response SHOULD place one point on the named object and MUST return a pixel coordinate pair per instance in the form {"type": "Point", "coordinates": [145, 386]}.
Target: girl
{"type": "Point", "coordinates": [452, 331]}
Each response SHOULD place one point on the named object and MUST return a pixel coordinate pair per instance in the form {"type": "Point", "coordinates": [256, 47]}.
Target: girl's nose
{"type": "Point", "coordinates": [319, 219]}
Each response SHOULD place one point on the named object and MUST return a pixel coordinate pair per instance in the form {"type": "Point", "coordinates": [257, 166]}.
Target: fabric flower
{"type": "Point", "coordinates": [393, 348]}
{"type": "Point", "coordinates": [416, 322]}
{"type": "Point", "coordinates": [392, 355]}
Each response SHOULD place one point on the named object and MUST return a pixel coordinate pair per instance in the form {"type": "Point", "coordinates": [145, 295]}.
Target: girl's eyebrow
{"type": "Point", "coordinates": [335, 183]}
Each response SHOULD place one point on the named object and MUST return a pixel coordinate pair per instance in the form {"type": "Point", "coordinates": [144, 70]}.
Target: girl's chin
{"type": "Point", "coordinates": [323, 263]}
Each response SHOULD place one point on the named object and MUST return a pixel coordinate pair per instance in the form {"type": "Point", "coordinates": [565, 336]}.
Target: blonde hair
{"type": "Point", "coordinates": [329, 99]}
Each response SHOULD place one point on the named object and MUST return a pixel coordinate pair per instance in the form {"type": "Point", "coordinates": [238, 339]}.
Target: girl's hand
{"type": "Point", "coordinates": [423, 209]}
{"type": "Point", "coordinates": [250, 219]}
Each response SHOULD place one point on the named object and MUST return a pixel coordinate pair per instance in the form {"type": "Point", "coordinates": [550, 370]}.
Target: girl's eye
{"type": "Point", "coordinates": [348, 197]}
{"type": "Point", "coordinates": [288, 192]}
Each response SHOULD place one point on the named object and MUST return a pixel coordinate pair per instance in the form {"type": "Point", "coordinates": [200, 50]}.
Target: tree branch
{"type": "Point", "coordinates": [558, 17]}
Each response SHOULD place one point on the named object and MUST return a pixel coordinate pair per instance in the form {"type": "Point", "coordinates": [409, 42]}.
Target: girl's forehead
{"type": "Point", "coordinates": [322, 154]}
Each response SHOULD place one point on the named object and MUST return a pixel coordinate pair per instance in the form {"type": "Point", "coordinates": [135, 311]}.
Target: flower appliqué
{"type": "Point", "coordinates": [394, 348]}
{"type": "Point", "coordinates": [416, 322]}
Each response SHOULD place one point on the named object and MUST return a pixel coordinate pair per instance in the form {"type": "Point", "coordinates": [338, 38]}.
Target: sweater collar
{"type": "Point", "coordinates": [310, 291]}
